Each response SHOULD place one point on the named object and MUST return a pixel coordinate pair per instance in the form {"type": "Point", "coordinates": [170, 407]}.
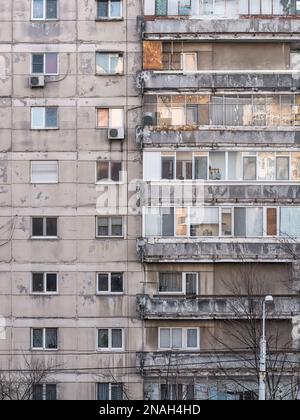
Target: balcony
{"type": "Point", "coordinates": [153, 250]}
{"type": "Point", "coordinates": [212, 307]}
{"type": "Point", "coordinates": [204, 363]}
{"type": "Point", "coordinates": [180, 80]}
{"type": "Point", "coordinates": [191, 136]}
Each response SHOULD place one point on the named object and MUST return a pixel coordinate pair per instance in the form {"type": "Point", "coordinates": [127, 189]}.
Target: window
{"type": "Point", "coordinates": [44, 9]}
{"type": "Point", "coordinates": [44, 227]}
{"type": "Point", "coordinates": [179, 338]}
{"type": "Point", "coordinates": [110, 117]}
{"type": "Point", "coordinates": [189, 61]}
{"type": "Point", "coordinates": [110, 392]}
{"type": "Point", "coordinates": [44, 283]}
{"type": "Point", "coordinates": [44, 118]}
{"type": "Point", "coordinates": [290, 222]}
{"type": "Point", "coordinates": [184, 166]}
{"type": "Point", "coordinates": [175, 392]}
{"type": "Point", "coordinates": [217, 166]}
{"type": "Point", "coordinates": [110, 339]}
{"type": "Point", "coordinates": [248, 221]}
{"type": "Point", "coordinates": [44, 172]}
{"type": "Point", "coordinates": [109, 63]}
{"type": "Point", "coordinates": [109, 283]}
{"type": "Point", "coordinates": [109, 226]}
{"type": "Point", "coordinates": [44, 338]}
{"type": "Point", "coordinates": [168, 167]}
{"type": "Point", "coordinates": [46, 64]}
{"type": "Point", "coordinates": [46, 392]}
{"type": "Point", "coordinates": [109, 9]}
{"type": "Point", "coordinates": [109, 171]}
{"type": "Point", "coordinates": [178, 283]}
{"type": "Point", "coordinates": [204, 222]}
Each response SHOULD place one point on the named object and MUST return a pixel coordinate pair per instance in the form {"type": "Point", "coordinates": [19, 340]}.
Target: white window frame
{"type": "Point", "coordinates": [44, 339]}
{"type": "Point", "coordinates": [110, 53]}
{"type": "Point", "coordinates": [183, 61]}
{"type": "Point", "coordinates": [45, 18]}
{"type": "Point", "coordinates": [110, 384]}
{"type": "Point", "coordinates": [44, 64]}
{"type": "Point", "coordinates": [108, 292]}
{"type": "Point", "coordinates": [110, 348]}
{"type": "Point", "coordinates": [183, 284]}
{"type": "Point", "coordinates": [43, 162]}
{"type": "Point", "coordinates": [109, 180]}
{"type": "Point", "coordinates": [45, 292]}
{"type": "Point", "coordinates": [44, 127]}
{"type": "Point", "coordinates": [44, 227]}
{"type": "Point", "coordinates": [183, 338]}
{"type": "Point", "coordinates": [110, 228]}
{"type": "Point", "coordinates": [110, 125]}
{"type": "Point", "coordinates": [109, 17]}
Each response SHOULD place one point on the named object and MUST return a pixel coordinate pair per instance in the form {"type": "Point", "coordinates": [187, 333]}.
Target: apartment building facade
{"type": "Point", "coordinates": [150, 171]}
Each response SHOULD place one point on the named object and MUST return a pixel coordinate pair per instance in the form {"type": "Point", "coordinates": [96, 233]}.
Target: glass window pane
{"type": "Point", "coordinates": [117, 282]}
{"type": "Point", "coordinates": [192, 338]}
{"type": "Point", "coordinates": [51, 117]}
{"type": "Point", "coordinates": [103, 226]}
{"type": "Point", "coordinates": [167, 221]}
{"type": "Point", "coordinates": [116, 63]}
{"type": "Point", "coordinates": [226, 222]}
{"type": "Point", "coordinates": [201, 164]}
{"type": "Point", "coordinates": [50, 392]}
{"type": "Point", "coordinates": [51, 338]}
{"type": "Point", "coordinates": [254, 221]}
{"type": "Point", "coordinates": [272, 222]}
{"type": "Point", "coordinates": [37, 63]}
{"type": "Point", "coordinates": [116, 118]}
{"type": "Point", "coordinates": [191, 283]}
{"type": "Point", "coordinates": [266, 166]}
{"type": "Point", "coordinates": [51, 282]}
{"type": "Point", "coordinates": [116, 392]}
{"type": "Point", "coordinates": [167, 168]}
{"type": "Point", "coordinates": [116, 339]}
{"type": "Point", "coordinates": [177, 338]}
{"type": "Point", "coordinates": [37, 392]}
{"type": "Point", "coordinates": [116, 171]}
{"type": "Point", "coordinates": [235, 171]}
{"type": "Point", "coordinates": [103, 392]}
{"type": "Point", "coordinates": [51, 226]}
{"type": "Point", "coordinates": [152, 221]}
{"type": "Point", "coordinates": [116, 226]}
{"type": "Point", "coordinates": [170, 282]}
{"type": "Point", "coordinates": [290, 222]}
{"type": "Point", "coordinates": [37, 118]}
{"type": "Point", "coordinates": [217, 166]}
{"type": "Point", "coordinates": [37, 338]}
{"type": "Point", "coordinates": [181, 222]}
{"type": "Point", "coordinates": [44, 172]}
{"type": "Point", "coordinates": [296, 166]}
{"type": "Point", "coordinates": [51, 10]}
{"type": "Point", "coordinates": [103, 118]}
{"type": "Point", "coordinates": [102, 170]}
{"type": "Point", "coordinates": [161, 7]}
{"type": "Point", "coordinates": [102, 63]}
{"type": "Point", "coordinates": [239, 222]}
{"type": "Point", "coordinates": [103, 282]}
{"type": "Point", "coordinates": [37, 226]}
{"type": "Point", "coordinates": [282, 168]}
{"type": "Point", "coordinates": [37, 282]}
{"type": "Point", "coordinates": [115, 8]}
{"type": "Point", "coordinates": [38, 9]}
{"type": "Point", "coordinates": [165, 338]}
{"type": "Point", "coordinates": [249, 168]}
{"type": "Point", "coordinates": [204, 221]}
{"type": "Point", "coordinates": [51, 63]}
{"type": "Point", "coordinates": [103, 339]}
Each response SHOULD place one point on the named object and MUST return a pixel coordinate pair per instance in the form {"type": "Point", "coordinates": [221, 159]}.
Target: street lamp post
{"type": "Point", "coordinates": [263, 352]}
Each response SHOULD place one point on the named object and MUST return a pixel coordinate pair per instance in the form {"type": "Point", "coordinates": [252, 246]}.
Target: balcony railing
{"type": "Point", "coordinates": [205, 363]}
{"type": "Point", "coordinates": [221, 8]}
{"type": "Point", "coordinates": [213, 307]}
{"type": "Point", "coordinates": [215, 250]}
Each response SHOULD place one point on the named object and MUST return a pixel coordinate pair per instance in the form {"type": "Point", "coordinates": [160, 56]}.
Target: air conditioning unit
{"type": "Point", "coordinates": [116, 133]}
{"type": "Point", "coordinates": [37, 81]}
{"type": "Point", "coordinates": [148, 119]}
